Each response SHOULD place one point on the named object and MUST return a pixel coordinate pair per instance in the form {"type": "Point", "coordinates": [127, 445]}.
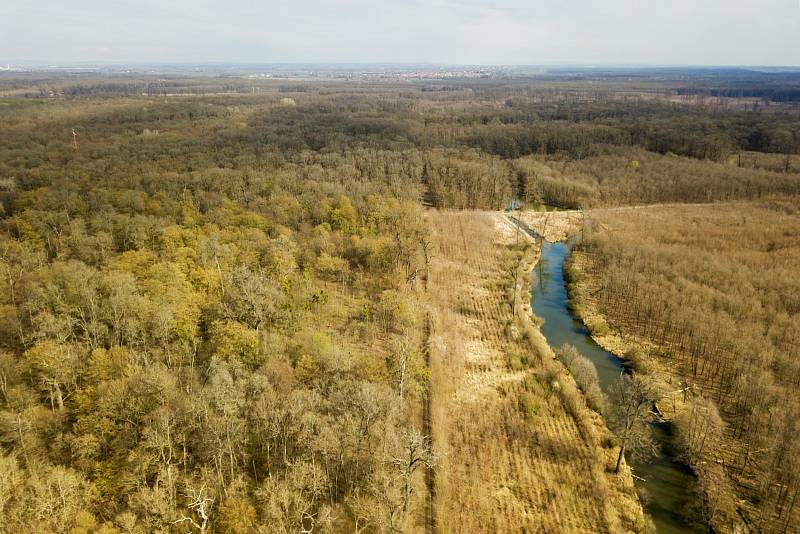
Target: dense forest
{"type": "Point", "coordinates": [471, 147]}
{"type": "Point", "coordinates": [215, 311]}
{"type": "Point", "coordinates": [712, 296]}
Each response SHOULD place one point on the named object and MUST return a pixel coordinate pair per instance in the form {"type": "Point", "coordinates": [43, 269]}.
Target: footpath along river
{"type": "Point", "coordinates": [665, 481]}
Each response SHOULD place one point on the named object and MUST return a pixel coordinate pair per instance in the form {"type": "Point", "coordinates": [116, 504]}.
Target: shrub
{"type": "Point", "coordinates": [585, 374]}
{"type": "Point", "coordinates": [636, 358]}
{"type": "Point", "coordinates": [598, 327]}
{"type": "Point", "coordinates": [393, 311]}
{"type": "Point", "coordinates": [333, 268]}
{"type": "Point", "coordinates": [517, 359]}
{"type": "Point", "coordinates": [528, 404]}
{"type": "Point", "coordinates": [530, 383]}
{"type": "Point", "coordinates": [549, 376]}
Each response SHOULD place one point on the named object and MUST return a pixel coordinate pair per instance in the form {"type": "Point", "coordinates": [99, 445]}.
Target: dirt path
{"type": "Point", "coordinates": [430, 474]}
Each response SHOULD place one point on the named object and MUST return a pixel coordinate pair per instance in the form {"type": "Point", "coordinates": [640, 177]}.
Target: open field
{"type": "Point", "coordinates": [520, 450]}
{"type": "Point", "coordinates": [707, 298]}
{"type": "Point", "coordinates": [553, 225]}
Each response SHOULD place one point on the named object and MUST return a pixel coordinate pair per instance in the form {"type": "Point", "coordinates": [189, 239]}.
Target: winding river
{"type": "Point", "coordinates": [664, 481]}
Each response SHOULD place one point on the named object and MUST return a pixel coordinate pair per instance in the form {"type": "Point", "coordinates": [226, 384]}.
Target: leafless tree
{"type": "Point", "coordinates": [200, 504]}
{"type": "Point", "coordinates": [630, 415]}
{"type": "Point", "coordinates": [426, 245]}
{"type": "Point", "coordinates": [415, 452]}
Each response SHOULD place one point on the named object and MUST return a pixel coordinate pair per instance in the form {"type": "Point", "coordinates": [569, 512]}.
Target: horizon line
{"type": "Point", "coordinates": [212, 63]}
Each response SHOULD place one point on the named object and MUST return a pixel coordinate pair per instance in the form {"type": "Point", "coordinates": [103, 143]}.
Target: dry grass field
{"type": "Point", "coordinates": [553, 225]}
{"type": "Point", "coordinates": [520, 452]}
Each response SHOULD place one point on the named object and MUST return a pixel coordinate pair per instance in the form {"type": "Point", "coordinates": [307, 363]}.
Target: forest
{"type": "Point", "coordinates": [708, 297]}
{"type": "Point", "coordinates": [235, 305]}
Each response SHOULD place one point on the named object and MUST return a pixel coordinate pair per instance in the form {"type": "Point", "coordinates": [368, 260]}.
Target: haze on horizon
{"type": "Point", "coordinates": [523, 32]}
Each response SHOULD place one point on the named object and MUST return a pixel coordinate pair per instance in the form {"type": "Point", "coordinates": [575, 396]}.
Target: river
{"type": "Point", "coordinates": [666, 482]}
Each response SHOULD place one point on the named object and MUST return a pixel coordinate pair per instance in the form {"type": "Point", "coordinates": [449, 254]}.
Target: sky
{"type": "Point", "coordinates": [475, 32]}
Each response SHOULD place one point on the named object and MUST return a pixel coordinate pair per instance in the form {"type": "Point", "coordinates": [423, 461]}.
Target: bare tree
{"type": "Point", "coordinates": [200, 504]}
{"type": "Point", "coordinates": [714, 500]}
{"type": "Point", "coordinates": [585, 374]}
{"type": "Point", "coordinates": [426, 245]}
{"type": "Point", "coordinates": [514, 273]}
{"type": "Point", "coordinates": [700, 428]}
{"type": "Point", "coordinates": [546, 222]}
{"type": "Point", "coordinates": [630, 415]}
{"type": "Point", "coordinates": [415, 452]}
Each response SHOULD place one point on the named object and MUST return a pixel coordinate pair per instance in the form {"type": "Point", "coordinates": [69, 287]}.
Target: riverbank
{"type": "Point", "coordinates": [574, 398]}
{"type": "Point", "coordinates": [679, 402]}
{"type": "Point", "coordinates": [665, 482]}
{"type": "Point", "coordinates": [683, 403]}
{"type": "Point", "coordinates": [631, 350]}
{"type": "Point", "coordinates": [519, 449]}
{"type": "Point", "coordinates": [706, 296]}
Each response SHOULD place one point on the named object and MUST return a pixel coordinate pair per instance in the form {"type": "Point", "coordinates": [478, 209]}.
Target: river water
{"type": "Point", "coordinates": [666, 482]}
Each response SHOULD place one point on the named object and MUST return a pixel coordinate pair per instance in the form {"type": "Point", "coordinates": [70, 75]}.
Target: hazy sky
{"type": "Point", "coordinates": [718, 32]}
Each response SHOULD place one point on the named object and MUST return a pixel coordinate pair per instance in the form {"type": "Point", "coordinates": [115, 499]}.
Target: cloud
{"type": "Point", "coordinates": [435, 31]}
